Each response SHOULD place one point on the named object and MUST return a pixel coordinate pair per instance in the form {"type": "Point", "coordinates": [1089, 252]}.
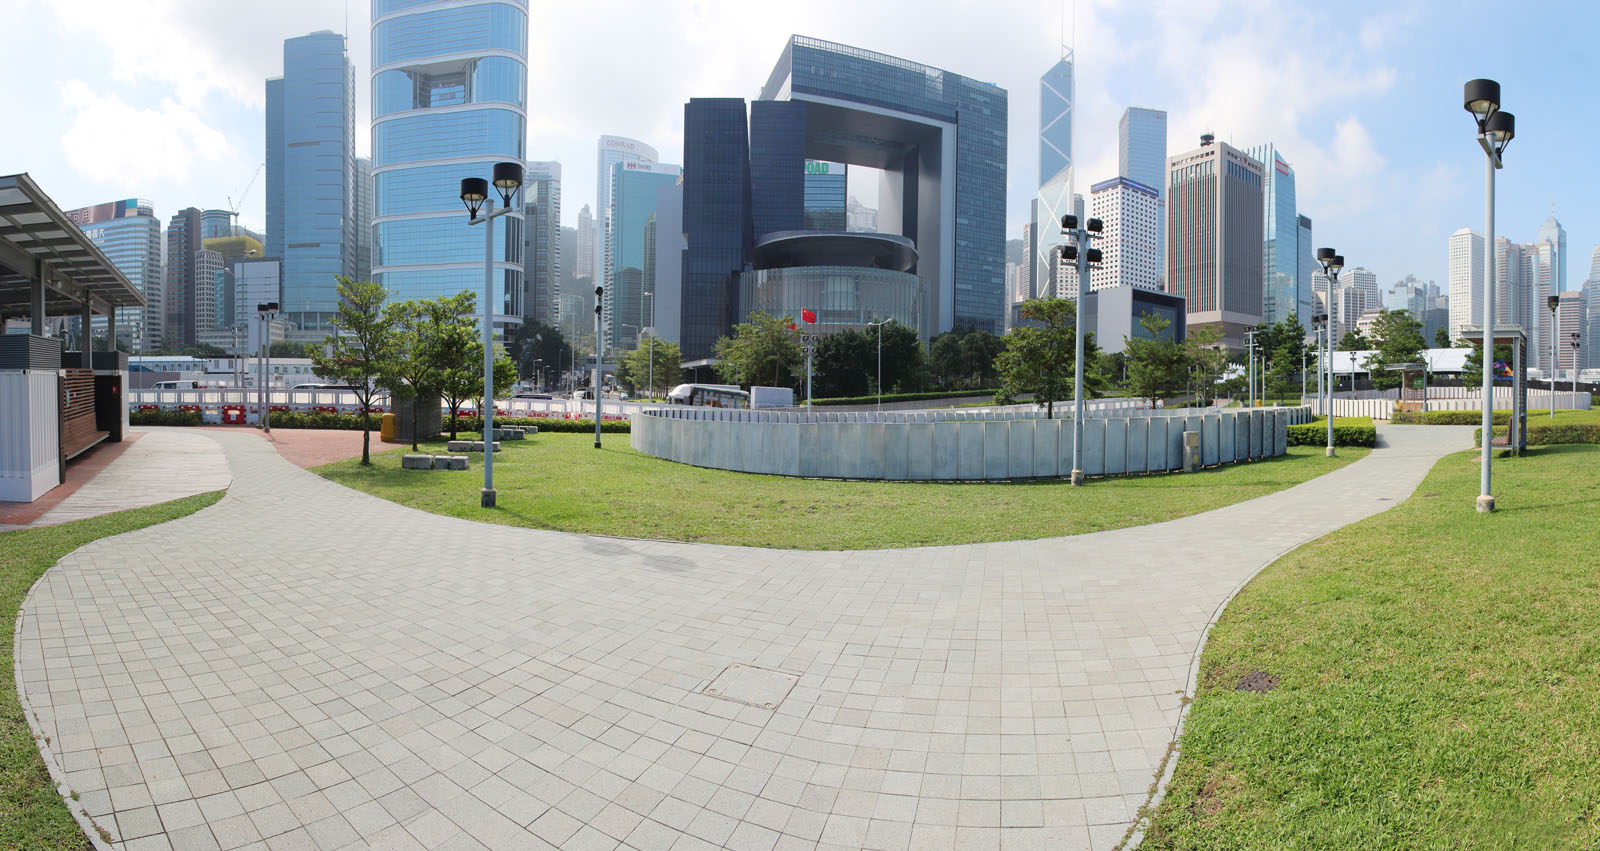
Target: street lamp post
{"type": "Point", "coordinates": [652, 367]}
{"type": "Point", "coordinates": [1332, 262]}
{"type": "Point", "coordinates": [1250, 364]}
{"type": "Point", "coordinates": [1495, 131]}
{"type": "Point", "coordinates": [267, 311]}
{"type": "Point", "coordinates": [1085, 259]}
{"type": "Point", "coordinates": [599, 348]}
{"type": "Point", "coordinates": [475, 194]}
{"type": "Point", "coordinates": [1576, 344]}
{"type": "Point", "coordinates": [879, 325]}
{"type": "Point", "coordinates": [1555, 359]}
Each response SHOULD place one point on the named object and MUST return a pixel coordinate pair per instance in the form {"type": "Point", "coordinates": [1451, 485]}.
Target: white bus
{"type": "Point", "coordinates": [709, 396]}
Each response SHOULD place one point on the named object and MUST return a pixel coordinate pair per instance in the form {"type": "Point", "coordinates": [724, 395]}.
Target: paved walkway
{"type": "Point", "coordinates": [304, 666]}
{"type": "Point", "coordinates": [160, 465]}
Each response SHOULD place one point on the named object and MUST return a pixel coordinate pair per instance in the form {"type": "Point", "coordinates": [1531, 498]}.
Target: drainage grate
{"type": "Point", "coordinates": [1257, 681]}
{"type": "Point", "coordinates": [753, 686]}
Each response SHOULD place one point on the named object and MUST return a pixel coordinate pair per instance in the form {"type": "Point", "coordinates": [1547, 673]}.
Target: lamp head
{"type": "Point", "coordinates": [1325, 254]}
{"type": "Point", "coordinates": [1336, 264]}
{"type": "Point", "coordinates": [1069, 252]}
{"type": "Point", "coordinates": [599, 290]}
{"type": "Point", "coordinates": [1481, 98]}
{"type": "Point", "coordinates": [1501, 128]}
{"type": "Point", "coordinates": [1069, 222]}
{"type": "Point", "coordinates": [1552, 301]}
{"type": "Point", "coordinates": [474, 191]}
{"type": "Point", "coordinates": [1095, 226]}
{"type": "Point", "coordinates": [507, 179]}
{"type": "Point", "coordinates": [1094, 255]}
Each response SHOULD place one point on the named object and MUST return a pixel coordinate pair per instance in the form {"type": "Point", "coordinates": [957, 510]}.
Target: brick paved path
{"type": "Point", "coordinates": [305, 666]}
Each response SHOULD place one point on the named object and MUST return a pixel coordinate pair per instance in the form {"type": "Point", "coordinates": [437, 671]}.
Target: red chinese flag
{"type": "Point", "coordinates": [807, 315]}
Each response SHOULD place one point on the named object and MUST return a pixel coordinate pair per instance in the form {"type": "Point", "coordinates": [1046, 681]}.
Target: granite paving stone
{"type": "Point", "coordinates": [305, 666]}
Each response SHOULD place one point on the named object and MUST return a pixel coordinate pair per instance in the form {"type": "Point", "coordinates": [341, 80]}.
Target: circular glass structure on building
{"type": "Point", "coordinates": [847, 279]}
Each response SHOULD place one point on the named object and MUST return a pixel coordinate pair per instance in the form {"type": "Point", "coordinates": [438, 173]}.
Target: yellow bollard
{"type": "Point", "coordinates": [389, 430]}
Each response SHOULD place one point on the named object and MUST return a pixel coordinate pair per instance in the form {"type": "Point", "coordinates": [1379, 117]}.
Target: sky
{"type": "Point", "coordinates": [163, 99]}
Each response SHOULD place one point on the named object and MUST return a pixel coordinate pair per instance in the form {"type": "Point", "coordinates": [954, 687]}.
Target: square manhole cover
{"type": "Point", "coordinates": [751, 685]}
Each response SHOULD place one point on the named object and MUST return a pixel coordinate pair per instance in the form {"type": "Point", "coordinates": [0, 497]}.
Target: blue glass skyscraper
{"type": "Point", "coordinates": [1142, 158]}
{"type": "Point", "coordinates": [1280, 251]}
{"type": "Point", "coordinates": [311, 178]}
{"type": "Point", "coordinates": [633, 205]}
{"type": "Point", "coordinates": [1055, 173]}
{"type": "Point", "coordinates": [449, 99]}
{"type": "Point", "coordinates": [130, 235]}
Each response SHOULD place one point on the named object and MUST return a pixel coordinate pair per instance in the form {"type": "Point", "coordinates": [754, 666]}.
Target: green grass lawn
{"type": "Point", "coordinates": [559, 481]}
{"type": "Point", "coordinates": [32, 815]}
{"type": "Point", "coordinates": [1439, 678]}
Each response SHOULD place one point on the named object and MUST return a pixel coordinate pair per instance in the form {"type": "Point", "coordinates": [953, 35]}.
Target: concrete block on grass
{"type": "Point", "coordinates": [450, 462]}
{"type": "Point", "coordinates": [416, 462]}
{"type": "Point", "coordinates": [468, 446]}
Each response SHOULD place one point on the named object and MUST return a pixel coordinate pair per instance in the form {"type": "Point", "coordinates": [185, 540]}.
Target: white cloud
{"type": "Point", "coordinates": [111, 141]}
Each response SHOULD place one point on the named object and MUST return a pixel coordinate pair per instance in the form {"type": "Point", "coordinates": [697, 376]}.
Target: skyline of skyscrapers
{"type": "Point", "coordinates": [311, 176]}
{"type": "Point", "coordinates": [449, 100]}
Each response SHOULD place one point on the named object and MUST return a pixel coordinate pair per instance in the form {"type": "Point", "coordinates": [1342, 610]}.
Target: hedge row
{"type": "Point", "coordinates": [1551, 435]}
{"type": "Point", "coordinates": [553, 425]}
{"type": "Point", "coordinates": [1316, 434]}
{"type": "Point", "coordinates": [163, 418]}
{"type": "Point", "coordinates": [323, 419]}
{"type": "Point", "coordinates": [904, 397]}
{"type": "Point", "coordinates": [1448, 417]}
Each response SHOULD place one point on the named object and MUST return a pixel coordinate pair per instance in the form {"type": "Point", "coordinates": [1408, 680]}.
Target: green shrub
{"type": "Point", "coordinates": [1344, 434]}
{"type": "Point", "coordinates": [322, 419]}
{"type": "Point", "coordinates": [1448, 417]}
{"type": "Point", "coordinates": [471, 422]}
{"type": "Point", "coordinates": [899, 397]}
{"type": "Point", "coordinates": [163, 418]}
{"type": "Point", "coordinates": [1551, 435]}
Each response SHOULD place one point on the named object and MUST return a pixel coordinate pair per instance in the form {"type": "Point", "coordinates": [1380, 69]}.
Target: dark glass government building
{"type": "Point", "coordinates": [449, 99]}
{"type": "Point", "coordinates": [939, 142]}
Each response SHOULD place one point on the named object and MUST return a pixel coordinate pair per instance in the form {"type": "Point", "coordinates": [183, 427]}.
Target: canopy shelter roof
{"type": "Point", "coordinates": [38, 242]}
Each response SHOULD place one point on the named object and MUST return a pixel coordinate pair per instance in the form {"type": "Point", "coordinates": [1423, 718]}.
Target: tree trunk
{"type": "Point", "coordinates": [414, 423]}
{"type": "Point", "coordinates": [366, 437]}
{"type": "Point", "coordinates": [1050, 409]}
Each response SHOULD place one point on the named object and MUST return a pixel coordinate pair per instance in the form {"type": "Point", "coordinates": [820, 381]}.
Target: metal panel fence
{"type": "Point", "coordinates": [954, 445]}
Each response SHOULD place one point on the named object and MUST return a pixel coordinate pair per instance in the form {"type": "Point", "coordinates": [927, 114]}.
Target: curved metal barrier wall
{"type": "Point", "coordinates": [954, 445]}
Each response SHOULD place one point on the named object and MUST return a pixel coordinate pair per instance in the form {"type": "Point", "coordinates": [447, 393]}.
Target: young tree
{"type": "Point", "coordinates": [964, 357]}
{"type": "Point", "coordinates": [1157, 364]}
{"type": "Point", "coordinates": [844, 363]}
{"type": "Point", "coordinates": [762, 346]}
{"type": "Point", "coordinates": [1397, 338]}
{"type": "Point", "coordinates": [1208, 358]}
{"type": "Point", "coordinates": [1441, 338]}
{"type": "Point", "coordinates": [1040, 360]}
{"type": "Point", "coordinates": [635, 373]}
{"type": "Point", "coordinates": [461, 370]}
{"type": "Point", "coordinates": [357, 354]}
{"type": "Point", "coordinates": [416, 366]}
{"type": "Point", "coordinates": [1352, 341]}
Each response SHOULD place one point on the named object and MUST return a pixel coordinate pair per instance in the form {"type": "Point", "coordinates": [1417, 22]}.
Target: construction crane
{"type": "Point", "coordinates": [233, 207]}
